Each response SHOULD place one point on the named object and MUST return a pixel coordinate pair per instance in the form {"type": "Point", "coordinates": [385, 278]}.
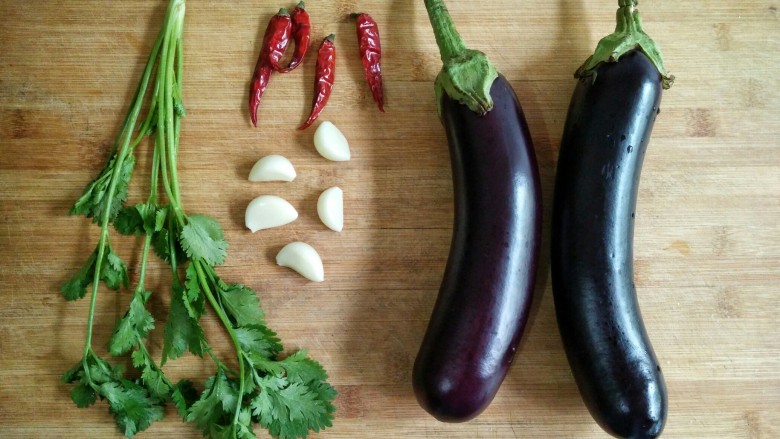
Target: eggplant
{"type": "Point", "coordinates": [485, 296]}
{"type": "Point", "coordinates": [606, 133]}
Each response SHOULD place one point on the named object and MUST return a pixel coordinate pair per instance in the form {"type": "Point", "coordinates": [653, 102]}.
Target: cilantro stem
{"type": "Point", "coordinates": [144, 260]}
{"type": "Point", "coordinates": [123, 139]}
{"type": "Point", "coordinates": [231, 332]}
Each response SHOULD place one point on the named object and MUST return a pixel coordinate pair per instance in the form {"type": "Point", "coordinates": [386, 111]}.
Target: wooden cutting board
{"type": "Point", "coordinates": [707, 244]}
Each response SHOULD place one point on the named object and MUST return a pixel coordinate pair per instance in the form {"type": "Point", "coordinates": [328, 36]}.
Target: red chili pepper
{"type": "Point", "coordinates": [301, 34]}
{"type": "Point", "coordinates": [371, 55]}
{"type": "Point", "coordinates": [277, 36]}
{"type": "Point", "coordinates": [326, 70]}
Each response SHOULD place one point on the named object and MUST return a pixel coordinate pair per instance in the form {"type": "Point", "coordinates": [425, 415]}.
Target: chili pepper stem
{"type": "Point", "coordinates": [467, 74]}
{"type": "Point", "coordinates": [628, 35]}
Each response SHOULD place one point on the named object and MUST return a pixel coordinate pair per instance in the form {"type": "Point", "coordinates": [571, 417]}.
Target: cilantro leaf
{"type": "Point", "coordinates": [242, 303]}
{"type": "Point", "coordinates": [139, 359]}
{"type": "Point", "coordinates": [113, 270]}
{"type": "Point", "coordinates": [290, 410]}
{"type": "Point", "coordinates": [264, 405]}
{"type": "Point", "coordinates": [202, 238]}
{"type": "Point", "coordinates": [94, 201]}
{"type": "Point", "coordinates": [244, 426]}
{"type": "Point", "coordinates": [217, 400]}
{"type": "Point", "coordinates": [183, 396]}
{"type": "Point", "coordinates": [182, 332]}
{"type": "Point", "coordinates": [161, 244]}
{"type": "Point", "coordinates": [164, 237]}
{"type": "Point", "coordinates": [259, 343]}
{"type": "Point", "coordinates": [74, 373]}
{"type": "Point", "coordinates": [134, 326]}
{"type": "Point", "coordinates": [138, 219]}
{"type": "Point", "coordinates": [133, 409]}
{"type": "Point", "coordinates": [154, 380]}
{"type": "Point", "coordinates": [194, 300]}
{"type": "Point", "coordinates": [302, 369]}
{"type": "Point", "coordinates": [113, 273]}
{"type": "Point", "coordinates": [148, 214]}
{"type": "Point", "coordinates": [129, 222]}
{"type": "Point", "coordinates": [303, 405]}
{"type": "Point", "coordinates": [76, 287]}
{"type": "Point", "coordinates": [83, 395]}
{"type": "Point", "coordinates": [159, 218]}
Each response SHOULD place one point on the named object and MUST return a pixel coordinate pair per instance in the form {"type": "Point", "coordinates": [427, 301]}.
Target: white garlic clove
{"type": "Point", "coordinates": [331, 143]}
{"type": "Point", "coordinates": [268, 211]}
{"type": "Point", "coordinates": [272, 168]}
{"type": "Point", "coordinates": [330, 208]}
{"type": "Point", "coordinates": [302, 258]}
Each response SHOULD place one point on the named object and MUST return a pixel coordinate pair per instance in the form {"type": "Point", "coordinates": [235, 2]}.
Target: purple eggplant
{"type": "Point", "coordinates": [485, 295]}
{"type": "Point", "coordinates": [607, 130]}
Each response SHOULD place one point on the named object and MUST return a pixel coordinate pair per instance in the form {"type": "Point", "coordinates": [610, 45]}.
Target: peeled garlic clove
{"type": "Point", "coordinates": [331, 143]}
{"type": "Point", "coordinates": [330, 208]}
{"type": "Point", "coordinates": [272, 168]}
{"type": "Point", "coordinates": [268, 211]}
{"type": "Point", "coordinates": [302, 258]}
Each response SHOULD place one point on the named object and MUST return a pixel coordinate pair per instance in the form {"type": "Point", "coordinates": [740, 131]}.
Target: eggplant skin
{"type": "Point", "coordinates": [604, 141]}
{"type": "Point", "coordinates": [485, 295]}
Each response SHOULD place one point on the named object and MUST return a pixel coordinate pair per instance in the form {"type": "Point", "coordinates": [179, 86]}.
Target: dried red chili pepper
{"type": "Point", "coordinates": [371, 55]}
{"type": "Point", "coordinates": [326, 70]}
{"type": "Point", "coordinates": [277, 36]}
{"type": "Point", "coordinates": [301, 35]}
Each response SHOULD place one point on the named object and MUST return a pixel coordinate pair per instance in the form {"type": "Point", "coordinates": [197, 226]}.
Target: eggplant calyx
{"type": "Point", "coordinates": [466, 75]}
{"type": "Point", "coordinates": [629, 35]}
{"type": "Point", "coordinates": [468, 81]}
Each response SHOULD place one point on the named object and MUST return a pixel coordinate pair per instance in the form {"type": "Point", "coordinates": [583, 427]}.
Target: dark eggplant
{"type": "Point", "coordinates": [488, 283]}
{"type": "Point", "coordinates": [607, 130]}
{"type": "Point", "coordinates": [485, 295]}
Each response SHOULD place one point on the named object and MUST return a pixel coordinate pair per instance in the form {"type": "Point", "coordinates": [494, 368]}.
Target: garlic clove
{"type": "Point", "coordinates": [330, 208]}
{"type": "Point", "coordinates": [302, 258]}
{"type": "Point", "coordinates": [272, 168]}
{"type": "Point", "coordinates": [268, 211]}
{"type": "Point", "coordinates": [331, 143]}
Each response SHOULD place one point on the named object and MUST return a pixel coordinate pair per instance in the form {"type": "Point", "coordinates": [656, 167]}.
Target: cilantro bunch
{"type": "Point", "coordinates": [289, 396]}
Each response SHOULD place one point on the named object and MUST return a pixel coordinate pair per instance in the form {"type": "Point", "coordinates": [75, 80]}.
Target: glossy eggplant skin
{"type": "Point", "coordinates": [488, 283]}
{"type": "Point", "coordinates": [605, 136]}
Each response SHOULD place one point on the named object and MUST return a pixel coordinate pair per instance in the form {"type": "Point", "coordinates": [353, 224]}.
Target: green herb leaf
{"type": "Point", "coordinates": [302, 369]}
{"type": "Point", "coordinates": [161, 244]}
{"type": "Point", "coordinates": [159, 218]}
{"type": "Point", "coordinates": [74, 373]}
{"type": "Point", "coordinates": [83, 395]}
{"type": "Point", "coordinates": [194, 300]}
{"type": "Point", "coordinates": [183, 396]}
{"type": "Point", "coordinates": [133, 327]}
{"type": "Point", "coordinates": [290, 410]}
{"type": "Point", "coordinates": [94, 200]}
{"type": "Point", "coordinates": [154, 381]}
{"type": "Point", "coordinates": [244, 426]}
{"type": "Point", "coordinates": [217, 400]}
{"type": "Point", "coordinates": [139, 359]}
{"type": "Point", "coordinates": [133, 409]}
{"type": "Point", "coordinates": [113, 273]}
{"type": "Point", "coordinates": [129, 222]}
{"type": "Point", "coordinates": [164, 237]}
{"type": "Point", "coordinates": [76, 287]}
{"type": "Point", "coordinates": [242, 303]}
{"type": "Point", "coordinates": [114, 270]}
{"type": "Point", "coordinates": [202, 238]}
{"type": "Point", "coordinates": [182, 332]}
{"type": "Point", "coordinates": [258, 342]}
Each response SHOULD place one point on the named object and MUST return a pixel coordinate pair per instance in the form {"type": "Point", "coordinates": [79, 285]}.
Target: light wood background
{"type": "Point", "coordinates": [707, 243]}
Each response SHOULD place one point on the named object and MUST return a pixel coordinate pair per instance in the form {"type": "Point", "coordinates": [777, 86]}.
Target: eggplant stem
{"type": "Point", "coordinates": [629, 35]}
{"type": "Point", "coordinates": [466, 75]}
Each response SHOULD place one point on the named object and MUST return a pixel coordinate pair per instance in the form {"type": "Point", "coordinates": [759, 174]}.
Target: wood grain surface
{"type": "Point", "coordinates": [707, 244]}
